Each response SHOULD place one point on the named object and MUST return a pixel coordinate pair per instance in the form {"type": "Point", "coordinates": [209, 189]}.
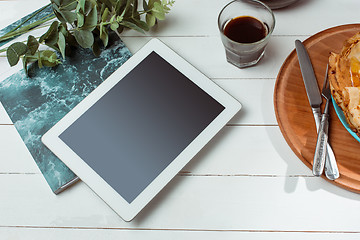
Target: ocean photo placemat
{"type": "Point", "coordinates": [36, 103]}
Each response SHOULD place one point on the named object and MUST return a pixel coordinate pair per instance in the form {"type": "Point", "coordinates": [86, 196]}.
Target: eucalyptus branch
{"type": "Point", "coordinates": [25, 29]}
{"type": "Point", "coordinates": [30, 17]}
{"type": "Point", "coordinates": [81, 22]}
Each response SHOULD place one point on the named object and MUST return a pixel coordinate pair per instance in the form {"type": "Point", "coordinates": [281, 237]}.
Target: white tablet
{"type": "Point", "coordinates": [140, 127]}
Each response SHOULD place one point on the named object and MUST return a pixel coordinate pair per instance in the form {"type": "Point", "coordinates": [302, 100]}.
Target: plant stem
{"type": "Point", "coordinates": [24, 41]}
{"type": "Point", "coordinates": [26, 28]}
{"type": "Point", "coordinates": [30, 17]}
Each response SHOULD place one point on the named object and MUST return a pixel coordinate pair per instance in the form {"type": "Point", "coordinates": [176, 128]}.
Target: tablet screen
{"type": "Point", "coordinates": [133, 132]}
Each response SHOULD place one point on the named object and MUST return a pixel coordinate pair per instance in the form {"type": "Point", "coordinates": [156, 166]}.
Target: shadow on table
{"type": "Point", "coordinates": [294, 163]}
{"type": "Point", "coordinates": [158, 201]}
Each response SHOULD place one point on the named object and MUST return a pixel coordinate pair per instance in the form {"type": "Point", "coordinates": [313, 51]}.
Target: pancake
{"type": "Point", "coordinates": [344, 77]}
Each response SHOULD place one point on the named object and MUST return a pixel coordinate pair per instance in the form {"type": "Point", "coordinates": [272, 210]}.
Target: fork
{"type": "Point", "coordinates": [322, 139]}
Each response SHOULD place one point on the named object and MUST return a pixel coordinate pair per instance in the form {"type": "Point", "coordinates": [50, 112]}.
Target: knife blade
{"type": "Point", "coordinates": [307, 71]}
{"type": "Point", "coordinates": [314, 97]}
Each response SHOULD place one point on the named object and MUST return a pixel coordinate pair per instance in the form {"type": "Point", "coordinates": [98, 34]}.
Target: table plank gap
{"type": "Point", "coordinates": [177, 229]}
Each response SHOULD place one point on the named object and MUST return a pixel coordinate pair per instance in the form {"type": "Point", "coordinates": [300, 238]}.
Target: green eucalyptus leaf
{"type": "Point", "coordinates": [62, 28]}
{"type": "Point", "coordinates": [127, 10]}
{"type": "Point", "coordinates": [67, 2]}
{"type": "Point", "coordinates": [85, 16]}
{"type": "Point", "coordinates": [77, 10]}
{"type": "Point", "coordinates": [68, 5]}
{"type": "Point", "coordinates": [112, 19]}
{"type": "Point", "coordinates": [88, 6]}
{"type": "Point", "coordinates": [48, 58]}
{"type": "Point", "coordinates": [132, 26]}
{"type": "Point", "coordinates": [108, 3]}
{"type": "Point", "coordinates": [105, 15]}
{"type": "Point", "coordinates": [165, 5]}
{"type": "Point", "coordinates": [158, 11]}
{"type": "Point", "coordinates": [14, 51]}
{"type": "Point", "coordinates": [101, 28]}
{"type": "Point", "coordinates": [32, 44]}
{"type": "Point", "coordinates": [119, 18]}
{"type": "Point", "coordinates": [151, 3]}
{"type": "Point", "coordinates": [58, 14]}
{"type": "Point", "coordinates": [52, 38]}
{"type": "Point", "coordinates": [51, 32]}
{"type": "Point", "coordinates": [96, 49]}
{"type": "Point", "coordinates": [57, 2]}
{"type": "Point", "coordinates": [69, 16]}
{"type": "Point", "coordinates": [80, 19]}
{"type": "Point", "coordinates": [91, 20]}
{"type": "Point", "coordinates": [81, 5]}
{"type": "Point", "coordinates": [158, 7]}
{"type": "Point", "coordinates": [150, 19]}
{"type": "Point", "coordinates": [40, 65]}
{"type": "Point", "coordinates": [102, 8]}
{"type": "Point", "coordinates": [159, 15]}
{"type": "Point", "coordinates": [104, 35]}
{"type": "Point", "coordinates": [134, 12]}
{"type": "Point", "coordinates": [143, 25]}
{"type": "Point", "coordinates": [62, 44]}
{"type": "Point", "coordinates": [54, 46]}
{"type": "Point", "coordinates": [120, 29]}
{"type": "Point", "coordinates": [85, 38]}
{"type": "Point", "coordinates": [69, 38]}
{"type": "Point", "coordinates": [120, 5]}
{"type": "Point", "coordinates": [24, 60]}
{"type": "Point", "coordinates": [114, 26]}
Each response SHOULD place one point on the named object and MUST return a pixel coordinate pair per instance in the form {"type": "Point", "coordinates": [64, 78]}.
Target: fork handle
{"type": "Point", "coordinates": [321, 146]}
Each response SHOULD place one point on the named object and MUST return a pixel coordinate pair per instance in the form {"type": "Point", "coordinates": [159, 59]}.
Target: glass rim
{"type": "Point", "coordinates": [253, 43]}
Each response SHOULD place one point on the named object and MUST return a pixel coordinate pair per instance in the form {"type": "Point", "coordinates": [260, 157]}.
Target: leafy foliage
{"type": "Point", "coordinates": [82, 22]}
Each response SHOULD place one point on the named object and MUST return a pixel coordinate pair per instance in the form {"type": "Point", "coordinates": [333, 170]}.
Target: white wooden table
{"type": "Point", "coordinates": [245, 184]}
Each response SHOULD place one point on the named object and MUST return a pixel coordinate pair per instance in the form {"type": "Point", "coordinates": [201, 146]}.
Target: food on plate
{"type": "Point", "coordinates": [344, 77]}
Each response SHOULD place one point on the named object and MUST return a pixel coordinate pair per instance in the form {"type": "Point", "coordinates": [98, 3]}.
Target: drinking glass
{"type": "Point", "coordinates": [247, 54]}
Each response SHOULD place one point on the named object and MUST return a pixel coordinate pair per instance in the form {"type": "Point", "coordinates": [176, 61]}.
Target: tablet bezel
{"type": "Point", "coordinates": [125, 210]}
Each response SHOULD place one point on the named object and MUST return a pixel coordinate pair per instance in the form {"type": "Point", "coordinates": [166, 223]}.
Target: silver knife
{"type": "Point", "coordinates": [312, 91]}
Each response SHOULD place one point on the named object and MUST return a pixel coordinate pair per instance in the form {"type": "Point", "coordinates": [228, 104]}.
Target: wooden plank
{"type": "Point", "coordinates": [195, 18]}
{"type": "Point", "coordinates": [253, 88]}
{"type": "Point", "coordinates": [236, 150]}
{"type": "Point", "coordinates": [207, 54]}
{"type": "Point", "coordinates": [310, 17]}
{"type": "Point", "coordinates": [75, 234]}
{"type": "Point", "coordinates": [256, 97]}
{"type": "Point", "coordinates": [15, 158]}
{"type": "Point", "coordinates": [184, 15]}
{"type": "Point", "coordinates": [192, 206]}
{"type": "Point", "coordinates": [14, 10]}
{"type": "Point", "coordinates": [189, 203]}
{"type": "Point", "coordinates": [247, 151]}
{"type": "Point", "coordinates": [4, 117]}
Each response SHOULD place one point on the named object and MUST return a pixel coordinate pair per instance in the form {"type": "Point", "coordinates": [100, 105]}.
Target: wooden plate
{"type": "Point", "coordinates": [294, 114]}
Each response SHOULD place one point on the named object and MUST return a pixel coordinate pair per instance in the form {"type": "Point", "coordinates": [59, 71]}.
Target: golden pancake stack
{"type": "Point", "coordinates": [344, 77]}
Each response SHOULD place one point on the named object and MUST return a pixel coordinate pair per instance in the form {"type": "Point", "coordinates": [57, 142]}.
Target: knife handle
{"type": "Point", "coordinates": [331, 168]}
{"type": "Point", "coordinates": [321, 146]}
{"type": "Point", "coordinates": [317, 116]}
